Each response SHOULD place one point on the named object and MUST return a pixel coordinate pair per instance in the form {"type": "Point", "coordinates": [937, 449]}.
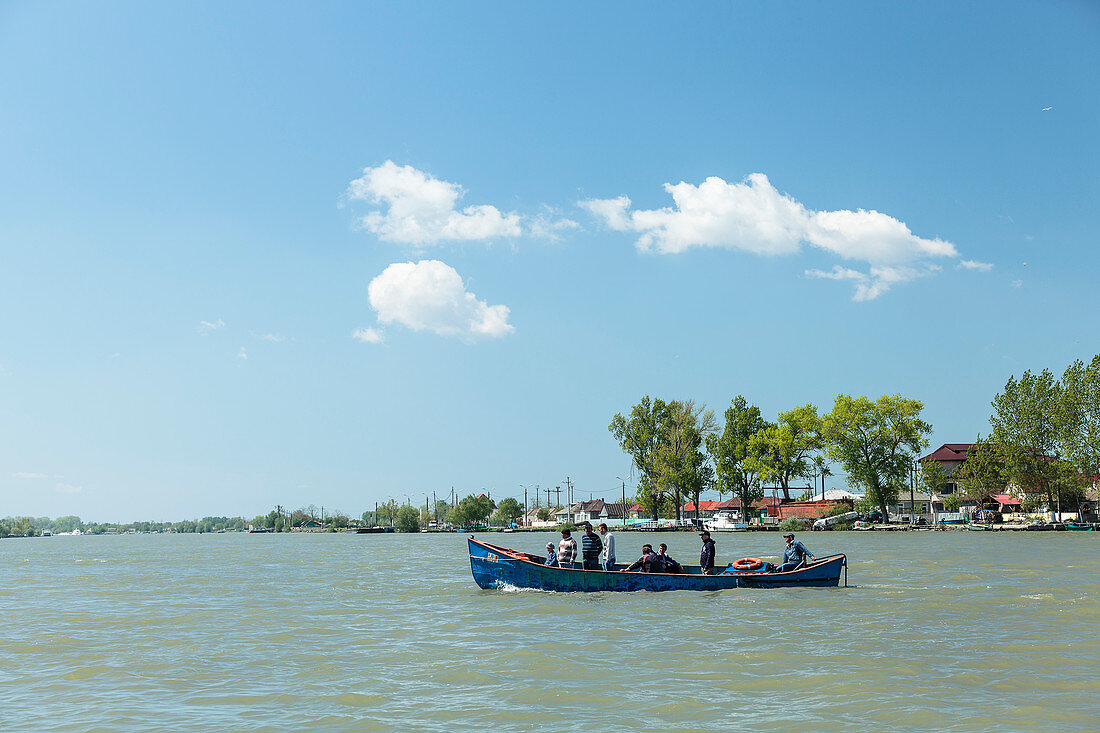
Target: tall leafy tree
{"type": "Point", "coordinates": [1079, 419]}
{"type": "Point", "coordinates": [507, 511]}
{"type": "Point", "coordinates": [683, 466]}
{"type": "Point", "coordinates": [785, 448]}
{"type": "Point", "coordinates": [876, 442]}
{"type": "Point", "coordinates": [639, 435]}
{"type": "Point", "coordinates": [735, 455]}
{"type": "Point", "coordinates": [1029, 429]}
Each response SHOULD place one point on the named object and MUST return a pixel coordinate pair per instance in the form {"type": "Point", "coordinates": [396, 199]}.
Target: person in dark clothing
{"type": "Point", "coordinates": [551, 555]}
{"type": "Point", "coordinates": [794, 555]}
{"type": "Point", "coordinates": [706, 555]}
{"type": "Point", "coordinates": [649, 562]}
{"type": "Point", "coordinates": [671, 566]}
{"type": "Point", "coordinates": [591, 547]}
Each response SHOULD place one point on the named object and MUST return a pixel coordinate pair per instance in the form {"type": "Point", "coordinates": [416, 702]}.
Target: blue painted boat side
{"type": "Point", "coordinates": [493, 566]}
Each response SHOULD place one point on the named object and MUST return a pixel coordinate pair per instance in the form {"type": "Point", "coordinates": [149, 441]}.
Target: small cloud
{"type": "Point", "coordinates": [1017, 283]}
{"type": "Point", "coordinates": [115, 355]}
{"type": "Point", "coordinates": [243, 354]}
{"type": "Point", "coordinates": [273, 338]}
{"type": "Point", "coordinates": [975, 265]}
{"type": "Point", "coordinates": [206, 327]}
{"type": "Point", "coordinates": [1046, 109]}
{"type": "Point", "coordinates": [367, 335]}
{"type": "Point", "coordinates": [550, 224]}
{"type": "Point", "coordinates": [69, 489]}
{"type": "Point", "coordinates": [430, 296]}
{"type": "Point", "coordinates": [25, 474]}
{"type": "Point", "coordinates": [420, 209]}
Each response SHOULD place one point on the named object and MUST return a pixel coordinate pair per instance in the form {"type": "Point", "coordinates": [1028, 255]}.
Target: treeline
{"type": "Point", "coordinates": [1044, 444]}
{"type": "Point", "coordinates": [680, 450]}
{"type": "Point", "coordinates": [35, 526]}
{"type": "Point", "coordinates": [1044, 441]}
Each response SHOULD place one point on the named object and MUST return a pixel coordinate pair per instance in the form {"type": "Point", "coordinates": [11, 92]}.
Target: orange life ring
{"type": "Point", "coordinates": [748, 563]}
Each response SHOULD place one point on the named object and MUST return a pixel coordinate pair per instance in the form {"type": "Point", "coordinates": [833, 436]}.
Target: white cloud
{"type": "Point", "coordinates": [755, 217]}
{"type": "Point", "coordinates": [1017, 283]}
{"type": "Point", "coordinates": [430, 296]}
{"type": "Point", "coordinates": [243, 354]}
{"type": "Point", "coordinates": [206, 327]}
{"type": "Point", "coordinates": [549, 223]}
{"type": "Point", "coordinates": [975, 265]}
{"type": "Point", "coordinates": [69, 488]}
{"type": "Point", "coordinates": [24, 474]}
{"type": "Point", "coordinates": [367, 335]}
{"type": "Point", "coordinates": [420, 209]}
{"type": "Point", "coordinates": [273, 338]}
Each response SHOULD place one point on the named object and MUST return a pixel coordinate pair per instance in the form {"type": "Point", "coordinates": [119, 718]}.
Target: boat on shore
{"type": "Point", "coordinates": [493, 566]}
{"type": "Point", "coordinates": [371, 530]}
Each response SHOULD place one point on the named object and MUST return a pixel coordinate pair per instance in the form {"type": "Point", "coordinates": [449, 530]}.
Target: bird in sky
{"type": "Point", "coordinates": [1046, 109]}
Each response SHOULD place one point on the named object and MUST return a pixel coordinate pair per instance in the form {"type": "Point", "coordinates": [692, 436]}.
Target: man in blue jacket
{"type": "Point", "coordinates": [706, 554]}
{"type": "Point", "coordinates": [794, 555]}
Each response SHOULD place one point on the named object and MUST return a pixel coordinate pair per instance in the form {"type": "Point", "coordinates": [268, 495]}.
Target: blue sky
{"type": "Point", "coordinates": [265, 254]}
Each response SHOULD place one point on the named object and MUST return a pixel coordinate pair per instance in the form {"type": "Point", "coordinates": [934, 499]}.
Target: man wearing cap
{"type": "Point", "coordinates": [551, 555]}
{"type": "Point", "coordinates": [567, 550]}
{"type": "Point", "coordinates": [794, 556]}
{"type": "Point", "coordinates": [591, 547]}
{"type": "Point", "coordinates": [706, 555]}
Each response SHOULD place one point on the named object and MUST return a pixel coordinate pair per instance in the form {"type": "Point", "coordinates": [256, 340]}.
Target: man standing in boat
{"type": "Point", "coordinates": [567, 550]}
{"type": "Point", "coordinates": [608, 557]}
{"type": "Point", "coordinates": [591, 548]}
{"type": "Point", "coordinates": [706, 554]}
{"type": "Point", "coordinates": [794, 556]}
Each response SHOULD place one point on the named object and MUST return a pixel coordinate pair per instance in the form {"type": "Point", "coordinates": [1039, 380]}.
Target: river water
{"type": "Point", "coordinates": [938, 631]}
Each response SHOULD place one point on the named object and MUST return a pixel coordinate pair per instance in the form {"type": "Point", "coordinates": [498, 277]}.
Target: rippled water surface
{"type": "Point", "coordinates": [940, 631]}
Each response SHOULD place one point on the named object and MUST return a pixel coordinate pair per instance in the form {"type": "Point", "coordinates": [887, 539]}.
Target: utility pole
{"type": "Point", "coordinates": [524, 506]}
{"type": "Point", "coordinates": [557, 494]}
{"type": "Point", "coordinates": [569, 490]}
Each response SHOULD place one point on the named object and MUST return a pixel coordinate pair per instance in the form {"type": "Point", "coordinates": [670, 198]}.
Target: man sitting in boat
{"type": "Point", "coordinates": [649, 562]}
{"type": "Point", "coordinates": [551, 555]}
{"type": "Point", "coordinates": [671, 566]}
{"type": "Point", "coordinates": [794, 556]}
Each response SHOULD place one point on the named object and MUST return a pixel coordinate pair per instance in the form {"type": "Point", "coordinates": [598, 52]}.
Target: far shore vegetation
{"type": "Point", "coordinates": [1044, 444]}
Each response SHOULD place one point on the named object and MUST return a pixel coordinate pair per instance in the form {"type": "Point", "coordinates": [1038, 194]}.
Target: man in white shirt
{"type": "Point", "coordinates": [607, 557]}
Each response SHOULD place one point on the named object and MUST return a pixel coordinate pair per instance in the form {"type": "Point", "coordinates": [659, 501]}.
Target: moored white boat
{"type": "Point", "coordinates": [725, 522]}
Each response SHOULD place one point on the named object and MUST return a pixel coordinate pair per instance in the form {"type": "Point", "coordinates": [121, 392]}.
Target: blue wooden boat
{"type": "Point", "coordinates": [495, 567]}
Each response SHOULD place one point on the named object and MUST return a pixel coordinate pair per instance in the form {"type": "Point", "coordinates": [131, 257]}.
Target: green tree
{"type": "Point", "coordinates": [640, 438]}
{"type": "Point", "coordinates": [545, 514]}
{"type": "Point", "coordinates": [735, 454]}
{"type": "Point", "coordinates": [982, 473]}
{"type": "Point", "coordinates": [407, 518]}
{"type": "Point", "coordinates": [682, 464]}
{"type": "Point", "coordinates": [1079, 419]}
{"type": "Point", "coordinates": [1028, 422]}
{"type": "Point", "coordinates": [508, 510]}
{"type": "Point", "coordinates": [782, 451]}
{"type": "Point", "coordinates": [471, 511]}
{"type": "Point", "coordinates": [932, 477]}
{"type": "Point", "coordinates": [875, 442]}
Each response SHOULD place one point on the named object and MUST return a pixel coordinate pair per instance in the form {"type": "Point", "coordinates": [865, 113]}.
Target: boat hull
{"type": "Point", "coordinates": [498, 567]}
